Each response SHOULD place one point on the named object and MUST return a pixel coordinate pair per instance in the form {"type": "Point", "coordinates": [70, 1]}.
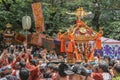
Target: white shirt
{"type": "Point", "coordinates": [106, 76]}
{"type": "Point", "coordinates": [3, 79]}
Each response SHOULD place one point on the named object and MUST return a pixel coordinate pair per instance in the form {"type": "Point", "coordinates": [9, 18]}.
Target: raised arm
{"type": "Point", "coordinates": [3, 53]}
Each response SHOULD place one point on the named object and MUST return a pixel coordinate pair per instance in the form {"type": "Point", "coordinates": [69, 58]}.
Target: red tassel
{"type": "Point", "coordinates": [98, 42]}
{"type": "Point", "coordinates": [70, 47]}
{"type": "Point", "coordinates": [91, 57]}
{"type": "Point", "coordinates": [78, 56]}
{"type": "Point", "coordinates": [62, 47]}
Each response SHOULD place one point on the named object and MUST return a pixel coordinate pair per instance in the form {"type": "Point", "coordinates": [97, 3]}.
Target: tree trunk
{"type": "Point", "coordinates": [95, 21]}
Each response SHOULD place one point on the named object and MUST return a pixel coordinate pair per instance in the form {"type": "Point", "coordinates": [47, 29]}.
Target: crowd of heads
{"type": "Point", "coordinates": [37, 63]}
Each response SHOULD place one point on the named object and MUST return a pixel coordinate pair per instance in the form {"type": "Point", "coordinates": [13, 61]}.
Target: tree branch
{"type": "Point", "coordinates": [7, 5]}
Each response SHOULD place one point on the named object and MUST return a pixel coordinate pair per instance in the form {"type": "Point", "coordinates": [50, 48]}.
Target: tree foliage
{"type": "Point", "coordinates": [106, 14]}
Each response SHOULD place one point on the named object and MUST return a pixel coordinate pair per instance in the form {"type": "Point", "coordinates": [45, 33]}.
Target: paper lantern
{"type": "Point", "coordinates": [26, 22]}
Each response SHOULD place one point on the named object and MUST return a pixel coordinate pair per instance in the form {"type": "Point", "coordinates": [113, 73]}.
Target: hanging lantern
{"type": "Point", "coordinates": [26, 22]}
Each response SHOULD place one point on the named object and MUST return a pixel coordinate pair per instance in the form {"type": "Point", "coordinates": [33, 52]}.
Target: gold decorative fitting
{"type": "Point", "coordinates": [80, 9]}
{"type": "Point", "coordinates": [8, 25]}
{"type": "Point", "coordinates": [8, 35]}
{"type": "Point", "coordinates": [101, 30]}
{"type": "Point", "coordinates": [83, 30]}
{"type": "Point", "coordinates": [79, 13]}
{"type": "Point", "coordinates": [84, 38]}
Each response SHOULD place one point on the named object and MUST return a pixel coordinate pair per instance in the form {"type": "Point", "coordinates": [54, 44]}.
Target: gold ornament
{"type": "Point", "coordinates": [83, 30]}
{"type": "Point", "coordinates": [8, 25]}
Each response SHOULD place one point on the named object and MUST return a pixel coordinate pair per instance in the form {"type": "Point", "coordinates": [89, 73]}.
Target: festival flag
{"type": "Point", "coordinates": [38, 16]}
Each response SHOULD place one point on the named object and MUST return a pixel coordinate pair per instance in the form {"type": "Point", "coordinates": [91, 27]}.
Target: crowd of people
{"type": "Point", "coordinates": [22, 62]}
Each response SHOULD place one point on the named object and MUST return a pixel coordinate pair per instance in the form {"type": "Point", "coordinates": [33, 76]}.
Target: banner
{"type": "Point", "coordinates": [113, 50]}
{"type": "Point", "coordinates": [38, 17]}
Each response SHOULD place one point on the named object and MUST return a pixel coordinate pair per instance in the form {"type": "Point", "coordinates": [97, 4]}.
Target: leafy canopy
{"type": "Point", "coordinates": [105, 13]}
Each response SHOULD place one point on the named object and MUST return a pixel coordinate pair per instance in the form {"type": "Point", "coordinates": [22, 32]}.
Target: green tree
{"type": "Point", "coordinates": [12, 11]}
{"type": "Point", "coordinates": [110, 18]}
{"type": "Point", "coordinates": [106, 14]}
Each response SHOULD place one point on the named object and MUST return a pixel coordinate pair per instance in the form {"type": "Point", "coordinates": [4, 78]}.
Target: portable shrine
{"type": "Point", "coordinates": [80, 41]}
